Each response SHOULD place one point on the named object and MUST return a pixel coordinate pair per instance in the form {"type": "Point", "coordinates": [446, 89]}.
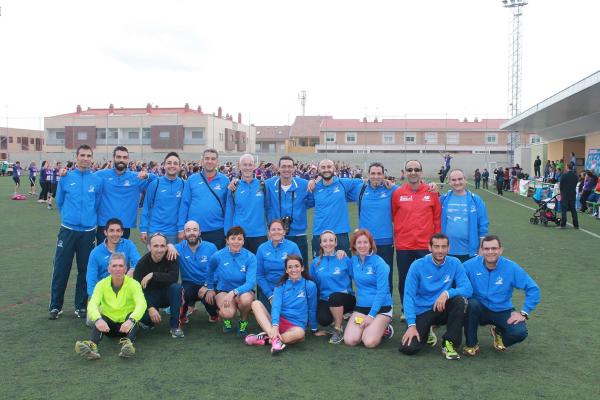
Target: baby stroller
{"type": "Point", "coordinates": [547, 211]}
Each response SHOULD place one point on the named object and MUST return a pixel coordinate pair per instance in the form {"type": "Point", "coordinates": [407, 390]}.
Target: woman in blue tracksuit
{"type": "Point", "coordinates": [294, 307]}
{"type": "Point", "coordinates": [332, 276]}
{"type": "Point", "coordinates": [270, 260]}
{"type": "Point", "coordinates": [373, 312]}
{"type": "Point", "coordinates": [231, 280]}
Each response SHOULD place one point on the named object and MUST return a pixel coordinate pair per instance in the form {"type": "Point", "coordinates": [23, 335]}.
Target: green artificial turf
{"type": "Point", "coordinates": [559, 360]}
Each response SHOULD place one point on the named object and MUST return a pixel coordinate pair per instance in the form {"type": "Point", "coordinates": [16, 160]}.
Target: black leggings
{"type": "Point", "coordinates": [114, 327]}
{"type": "Point", "coordinates": [345, 300]}
{"type": "Point", "coordinates": [45, 189]}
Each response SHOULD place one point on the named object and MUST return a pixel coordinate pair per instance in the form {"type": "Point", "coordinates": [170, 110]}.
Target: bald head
{"type": "Point", "coordinates": [326, 170]}
{"type": "Point", "coordinates": [191, 230]}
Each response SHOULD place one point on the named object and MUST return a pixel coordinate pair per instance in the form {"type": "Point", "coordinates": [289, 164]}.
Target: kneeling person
{"type": "Point", "coordinates": [493, 278]}
{"type": "Point", "coordinates": [430, 299]}
{"type": "Point", "coordinates": [158, 276]}
{"type": "Point", "coordinates": [294, 307]}
{"type": "Point", "coordinates": [115, 307]}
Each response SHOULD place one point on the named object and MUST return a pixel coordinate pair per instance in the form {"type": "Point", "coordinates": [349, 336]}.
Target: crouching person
{"type": "Point", "coordinates": [116, 305]}
{"type": "Point", "coordinates": [493, 278]}
{"type": "Point", "coordinates": [158, 276]}
{"type": "Point", "coordinates": [294, 307]}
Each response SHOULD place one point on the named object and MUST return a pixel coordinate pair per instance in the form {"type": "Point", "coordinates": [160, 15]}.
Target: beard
{"type": "Point", "coordinates": [120, 166]}
{"type": "Point", "coordinates": [193, 240]}
{"type": "Point", "coordinates": [327, 175]}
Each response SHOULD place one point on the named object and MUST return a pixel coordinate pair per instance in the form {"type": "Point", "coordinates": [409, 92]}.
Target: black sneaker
{"type": "Point", "coordinates": [54, 313]}
{"type": "Point", "coordinates": [81, 313]}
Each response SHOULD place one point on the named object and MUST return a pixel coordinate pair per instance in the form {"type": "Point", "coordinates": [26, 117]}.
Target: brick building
{"type": "Point", "coordinates": [20, 142]}
{"type": "Point", "coordinates": [148, 130]}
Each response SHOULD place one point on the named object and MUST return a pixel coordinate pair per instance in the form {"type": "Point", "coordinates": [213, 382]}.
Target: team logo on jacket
{"type": "Point", "coordinates": [259, 193]}
{"type": "Point", "coordinates": [284, 255]}
{"type": "Point", "coordinates": [178, 194]}
{"type": "Point", "coordinates": [163, 190]}
{"type": "Point", "coordinates": [243, 268]}
{"type": "Point", "coordinates": [268, 253]}
{"type": "Point", "coordinates": [301, 294]}
{"type": "Point", "coordinates": [336, 190]}
{"type": "Point", "coordinates": [427, 198]}
{"type": "Point", "coordinates": [217, 187]}
{"type": "Point", "coordinates": [336, 271]}
{"type": "Point", "coordinates": [91, 189]}
{"type": "Point", "coordinates": [499, 281]}
{"type": "Point", "coordinates": [370, 271]}
{"type": "Point", "coordinates": [126, 183]}
{"type": "Point", "coordinates": [383, 195]}
{"type": "Point", "coordinates": [447, 279]}
{"type": "Point", "coordinates": [204, 259]}
{"type": "Point", "coordinates": [59, 243]}
{"type": "Point", "coordinates": [405, 198]}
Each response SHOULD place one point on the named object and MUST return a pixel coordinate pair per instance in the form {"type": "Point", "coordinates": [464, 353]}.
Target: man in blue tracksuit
{"type": "Point", "coordinates": [246, 205]}
{"type": "Point", "coordinates": [493, 278]}
{"type": "Point", "coordinates": [204, 200]}
{"type": "Point", "coordinates": [161, 203]}
{"type": "Point", "coordinates": [77, 198]}
{"type": "Point", "coordinates": [374, 201]}
{"type": "Point", "coordinates": [194, 256]}
{"type": "Point", "coordinates": [430, 298]}
{"type": "Point", "coordinates": [464, 218]}
{"type": "Point", "coordinates": [121, 196]}
{"type": "Point", "coordinates": [331, 195]}
{"type": "Point", "coordinates": [97, 268]}
{"type": "Point", "coordinates": [288, 200]}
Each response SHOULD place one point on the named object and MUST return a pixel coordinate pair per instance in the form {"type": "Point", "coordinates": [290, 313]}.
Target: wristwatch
{"type": "Point", "coordinates": [132, 320]}
{"type": "Point", "coordinates": [523, 313]}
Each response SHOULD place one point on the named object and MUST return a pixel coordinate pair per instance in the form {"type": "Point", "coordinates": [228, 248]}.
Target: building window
{"type": "Point", "coordinates": [31, 141]}
{"type": "Point", "coordinates": [198, 135]}
{"type": "Point", "coordinates": [330, 137]}
{"type": "Point", "coordinates": [60, 135]}
{"type": "Point", "coordinates": [100, 134]}
{"type": "Point", "coordinates": [81, 135]}
{"type": "Point", "coordinates": [221, 136]}
{"type": "Point", "coordinates": [164, 135]}
{"type": "Point", "coordinates": [410, 138]}
{"type": "Point", "coordinates": [113, 133]}
{"type": "Point", "coordinates": [491, 138]}
{"type": "Point", "coordinates": [389, 138]}
{"type": "Point", "coordinates": [3, 143]}
{"type": "Point", "coordinates": [452, 138]}
{"type": "Point", "coordinates": [133, 135]}
{"type": "Point", "coordinates": [534, 139]}
{"type": "Point", "coordinates": [351, 137]}
{"type": "Point", "coordinates": [431, 137]}
{"type": "Point", "coordinates": [18, 139]}
{"type": "Point", "coordinates": [146, 133]}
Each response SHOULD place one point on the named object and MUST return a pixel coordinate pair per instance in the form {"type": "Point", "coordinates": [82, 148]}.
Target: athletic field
{"type": "Point", "coordinates": [559, 360]}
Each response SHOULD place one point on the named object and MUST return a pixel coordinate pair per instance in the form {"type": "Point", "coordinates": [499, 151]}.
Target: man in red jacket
{"type": "Point", "coordinates": [416, 213]}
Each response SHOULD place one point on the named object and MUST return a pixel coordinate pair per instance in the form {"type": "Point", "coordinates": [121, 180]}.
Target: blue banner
{"type": "Point", "coordinates": [592, 162]}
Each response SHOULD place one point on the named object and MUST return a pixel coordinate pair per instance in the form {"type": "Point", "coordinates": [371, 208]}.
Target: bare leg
{"type": "Point", "coordinates": [293, 335]}
{"type": "Point", "coordinates": [244, 304]}
{"type": "Point", "coordinates": [372, 334]}
{"type": "Point", "coordinates": [225, 312]}
{"type": "Point", "coordinates": [262, 316]}
{"type": "Point", "coordinates": [338, 316]}
{"type": "Point", "coordinates": [354, 331]}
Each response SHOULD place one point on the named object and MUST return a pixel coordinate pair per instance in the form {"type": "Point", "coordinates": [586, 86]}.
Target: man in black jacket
{"type": "Point", "coordinates": [568, 192]}
{"type": "Point", "coordinates": [158, 277]}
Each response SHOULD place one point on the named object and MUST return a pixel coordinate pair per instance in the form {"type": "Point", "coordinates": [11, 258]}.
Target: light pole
{"type": "Point", "coordinates": [515, 68]}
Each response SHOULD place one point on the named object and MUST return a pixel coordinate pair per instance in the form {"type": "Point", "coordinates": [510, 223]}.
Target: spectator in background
{"type": "Point", "coordinates": [477, 177]}
{"type": "Point", "coordinates": [485, 177]}
{"type": "Point", "coordinates": [499, 172]}
{"type": "Point", "coordinates": [16, 175]}
{"type": "Point", "coordinates": [588, 185]}
{"type": "Point", "coordinates": [32, 175]}
{"type": "Point", "coordinates": [568, 194]}
{"type": "Point", "coordinates": [573, 161]}
{"type": "Point", "coordinates": [537, 164]}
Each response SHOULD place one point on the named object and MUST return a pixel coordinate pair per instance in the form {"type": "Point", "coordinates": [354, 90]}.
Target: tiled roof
{"type": "Point", "coordinates": [308, 126]}
{"type": "Point", "coordinates": [408, 124]}
{"type": "Point", "coordinates": [272, 133]}
{"type": "Point", "coordinates": [133, 111]}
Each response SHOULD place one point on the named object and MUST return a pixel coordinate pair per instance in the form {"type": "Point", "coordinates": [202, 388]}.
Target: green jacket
{"type": "Point", "coordinates": [117, 306]}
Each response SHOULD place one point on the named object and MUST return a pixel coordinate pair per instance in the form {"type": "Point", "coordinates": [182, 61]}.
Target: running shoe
{"type": "Point", "coordinates": [243, 329]}
{"type": "Point", "coordinates": [432, 338]}
{"type": "Point", "coordinates": [227, 326]}
{"type": "Point", "coordinates": [449, 351]}
{"type": "Point", "coordinates": [176, 333]}
{"type": "Point", "coordinates": [337, 337]}
{"type": "Point", "coordinates": [81, 313]}
{"type": "Point", "coordinates": [402, 317]}
{"type": "Point", "coordinates": [388, 333]}
{"type": "Point", "coordinates": [497, 343]}
{"type": "Point", "coordinates": [259, 339]}
{"type": "Point", "coordinates": [471, 351]}
{"type": "Point", "coordinates": [87, 349]}
{"type": "Point", "coordinates": [277, 346]}
{"type": "Point", "coordinates": [127, 348]}
{"type": "Point", "coordinates": [54, 313]}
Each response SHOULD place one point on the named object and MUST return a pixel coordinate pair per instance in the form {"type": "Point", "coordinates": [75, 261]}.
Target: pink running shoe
{"type": "Point", "coordinates": [260, 339]}
{"type": "Point", "coordinates": [277, 346]}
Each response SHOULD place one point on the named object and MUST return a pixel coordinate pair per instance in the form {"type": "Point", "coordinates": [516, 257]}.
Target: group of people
{"type": "Point", "coordinates": [241, 245]}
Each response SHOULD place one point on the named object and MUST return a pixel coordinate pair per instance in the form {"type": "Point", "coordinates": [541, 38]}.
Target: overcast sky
{"type": "Point", "coordinates": [354, 58]}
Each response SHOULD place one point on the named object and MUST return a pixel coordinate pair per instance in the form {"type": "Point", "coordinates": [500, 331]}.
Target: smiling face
{"type": "Point", "coordinates": [286, 169]}
{"type": "Point", "coordinates": [120, 160]}
{"type": "Point", "coordinates": [491, 251]}
{"type": "Point", "coordinates": [172, 167]}
{"type": "Point", "coordinates": [376, 175]}
{"type": "Point", "coordinates": [116, 268]}
{"type": "Point", "coordinates": [247, 166]}
{"type": "Point", "coordinates": [326, 169]}
{"type": "Point", "coordinates": [276, 232]}
{"type": "Point", "coordinates": [413, 172]}
{"type": "Point", "coordinates": [457, 181]}
{"type": "Point", "coordinates": [192, 232]}
{"type": "Point", "coordinates": [362, 245]}
{"type": "Point", "coordinates": [294, 269]}
{"type": "Point", "coordinates": [210, 161]}
{"type": "Point", "coordinates": [84, 158]}
{"type": "Point", "coordinates": [158, 247]}
{"type": "Point", "coordinates": [113, 233]}
{"type": "Point", "coordinates": [439, 249]}
{"type": "Point", "coordinates": [328, 243]}
{"type": "Point", "coordinates": [235, 243]}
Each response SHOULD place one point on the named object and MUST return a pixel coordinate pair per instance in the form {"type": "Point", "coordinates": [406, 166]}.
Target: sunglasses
{"type": "Point", "coordinates": [413, 169]}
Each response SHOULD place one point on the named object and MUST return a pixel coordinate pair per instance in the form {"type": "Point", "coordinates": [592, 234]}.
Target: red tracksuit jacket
{"type": "Point", "coordinates": [416, 217]}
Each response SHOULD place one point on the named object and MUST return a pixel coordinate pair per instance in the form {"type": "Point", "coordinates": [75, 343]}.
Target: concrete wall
{"type": "Point", "coordinates": [592, 142]}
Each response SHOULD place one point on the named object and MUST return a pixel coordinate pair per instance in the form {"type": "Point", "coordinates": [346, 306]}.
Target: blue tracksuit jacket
{"type": "Point", "coordinates": [232, 271]}
{"type": "Point", "coordinates": [246, 208]}
{"type": "Point", "coordinates": [375, 211]}
{"type": "Point", "coordinates": [277, 209]}
{"type": "Point", "coordinates": [331, 210]}
{"type": "Point", "coordinates": [78, 198]}
{"type": "Point", "coordinates": [193, 265]}
{"type": "Point", "coordinates": [296, 302]}
{"type": "Point", "coordinates": [161, 206]}
{"type": "Point", "coordinates": [331, 275]}
{"type": "Point", "coordinates": [371, 282]}
{"type": "Point", "coordinates": [270, 263]}
{"type": "Point", "coordinates": [478, 218]}
{"type": "Point", "coordinates": [200, 205]}
{"type": "Point", "coordinates": [97, 268]}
